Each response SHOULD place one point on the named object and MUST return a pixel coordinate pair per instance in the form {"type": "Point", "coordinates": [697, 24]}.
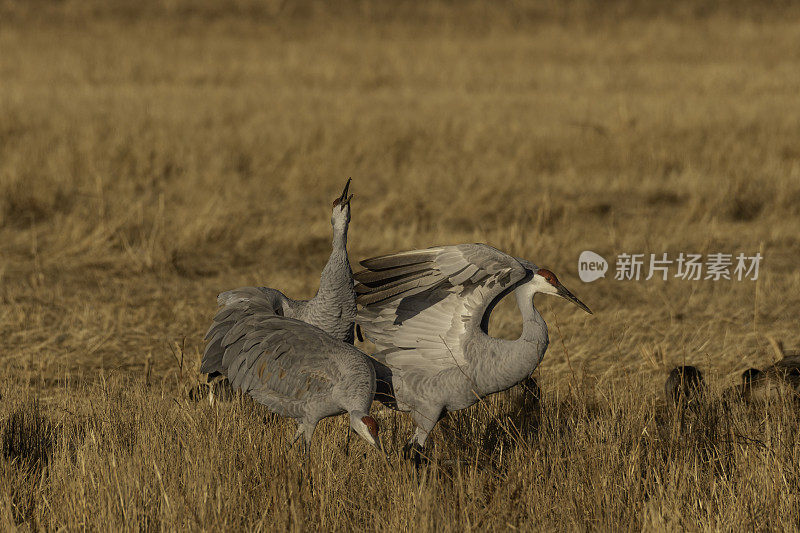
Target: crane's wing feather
{"type": "Point", "coordinates": [280, 361]}
{"type": "Point", "coordinates": [417, 305]}
{"type": "Point", "coordinates": [235, 306]}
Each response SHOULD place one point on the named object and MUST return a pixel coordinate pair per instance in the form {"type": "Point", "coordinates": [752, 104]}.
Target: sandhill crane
{"type": "Point", "coordinates": [427, 311]}
{"type": "Point", "coordinates": [684, 386]}
{"type": "Point", "coordinates": [332, 309]}
{"type": "Point", "coordinates": [780, 379]}
{"type": "Point", "coordinates": [299, 371]}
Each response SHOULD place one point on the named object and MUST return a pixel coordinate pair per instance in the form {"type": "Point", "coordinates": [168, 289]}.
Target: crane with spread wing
{"type": "Point", "coordinates": [427, 311]}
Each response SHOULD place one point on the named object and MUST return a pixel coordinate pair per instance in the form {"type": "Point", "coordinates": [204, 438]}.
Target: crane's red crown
{"type": "Point", "coordinates": [372, 426]}
{"type": "Point", "coordinates": [549, 276]}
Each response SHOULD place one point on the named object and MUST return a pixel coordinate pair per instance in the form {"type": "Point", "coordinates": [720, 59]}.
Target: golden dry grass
{"type": "Point", "coordinates": [154, 154]}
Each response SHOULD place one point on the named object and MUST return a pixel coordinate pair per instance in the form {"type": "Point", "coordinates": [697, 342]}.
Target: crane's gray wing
{"type": "Point", "coordinates": [236, 305]}
{"type": "Point", "coordinates": [281, 362]}
{"type": "Point", "coordinates": [417, 305]}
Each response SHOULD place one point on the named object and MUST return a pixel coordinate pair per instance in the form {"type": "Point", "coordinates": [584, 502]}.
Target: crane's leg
{"type": "Point", "coordinates": [297, 435]}
{"type": "Point", "coordinates": [306, 430]}
{"type": "Point", "coordinates": [214, 379]}
{"type": "Point", "coordinates": [424, 420]}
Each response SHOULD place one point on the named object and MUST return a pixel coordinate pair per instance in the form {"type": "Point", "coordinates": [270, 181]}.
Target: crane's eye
{"type": "Point", "coordinates": [372, 426]}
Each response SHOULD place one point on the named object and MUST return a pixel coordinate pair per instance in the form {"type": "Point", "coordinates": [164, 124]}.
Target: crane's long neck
{"type": "Point", "coordinates": [513, 361]}
{"type": "Point", "coordinates": [336, 276]}
{"type": "Point", "coordinates": [534, 328]}
{"type": "Point", "coordinates": [339, 242]}
{"type": "Point", "coordinates": [333, 308]}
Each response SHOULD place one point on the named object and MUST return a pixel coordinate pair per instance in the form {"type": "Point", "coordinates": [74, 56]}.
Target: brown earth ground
{"type": "Point", "coordinates": [154, 154]}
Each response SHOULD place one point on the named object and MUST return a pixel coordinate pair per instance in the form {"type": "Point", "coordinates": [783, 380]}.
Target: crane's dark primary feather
{"type": "Point", "coordinates": [398, 260]}
{"type": "Point", "coordinates": [402, 290]}
{"type": "Point", "coordinates": [373, 276]}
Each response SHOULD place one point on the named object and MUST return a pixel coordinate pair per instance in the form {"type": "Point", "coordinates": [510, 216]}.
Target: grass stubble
{"type": "Point", "coordinates": [153, 156]}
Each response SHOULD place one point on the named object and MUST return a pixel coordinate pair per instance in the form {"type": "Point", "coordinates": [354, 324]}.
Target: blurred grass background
{"type": "Point", "coordinates": [153, 154]}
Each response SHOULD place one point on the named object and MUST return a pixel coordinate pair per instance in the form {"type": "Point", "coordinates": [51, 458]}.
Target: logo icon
{"type": "Point", "coordinates": [591, 266]}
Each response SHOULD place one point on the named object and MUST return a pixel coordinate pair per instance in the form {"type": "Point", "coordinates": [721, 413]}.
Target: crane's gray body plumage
{"type": "Point", "coordinates": [427, 312]}
{"type": "Point", "coordinates": [332, 309]}
{"type": "Point", "coordinates": [297, 370]}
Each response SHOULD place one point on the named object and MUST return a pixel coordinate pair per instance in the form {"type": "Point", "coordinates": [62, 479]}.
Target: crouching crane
{"type": "Point", "coordinates": [298, 371]}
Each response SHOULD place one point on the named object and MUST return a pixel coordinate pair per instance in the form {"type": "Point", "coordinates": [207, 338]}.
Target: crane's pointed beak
{"type": "Point", "coordinates": [343, 199]}
{"type": "Point", "coordinates": [564, 293]}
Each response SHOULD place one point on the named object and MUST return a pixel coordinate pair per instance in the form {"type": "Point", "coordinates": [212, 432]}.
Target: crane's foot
{"type": "Point", "coordinates": [413, 452]}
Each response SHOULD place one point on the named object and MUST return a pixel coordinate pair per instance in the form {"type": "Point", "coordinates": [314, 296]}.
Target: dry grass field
{"type": "Point", "coordinates": [155, 153]}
